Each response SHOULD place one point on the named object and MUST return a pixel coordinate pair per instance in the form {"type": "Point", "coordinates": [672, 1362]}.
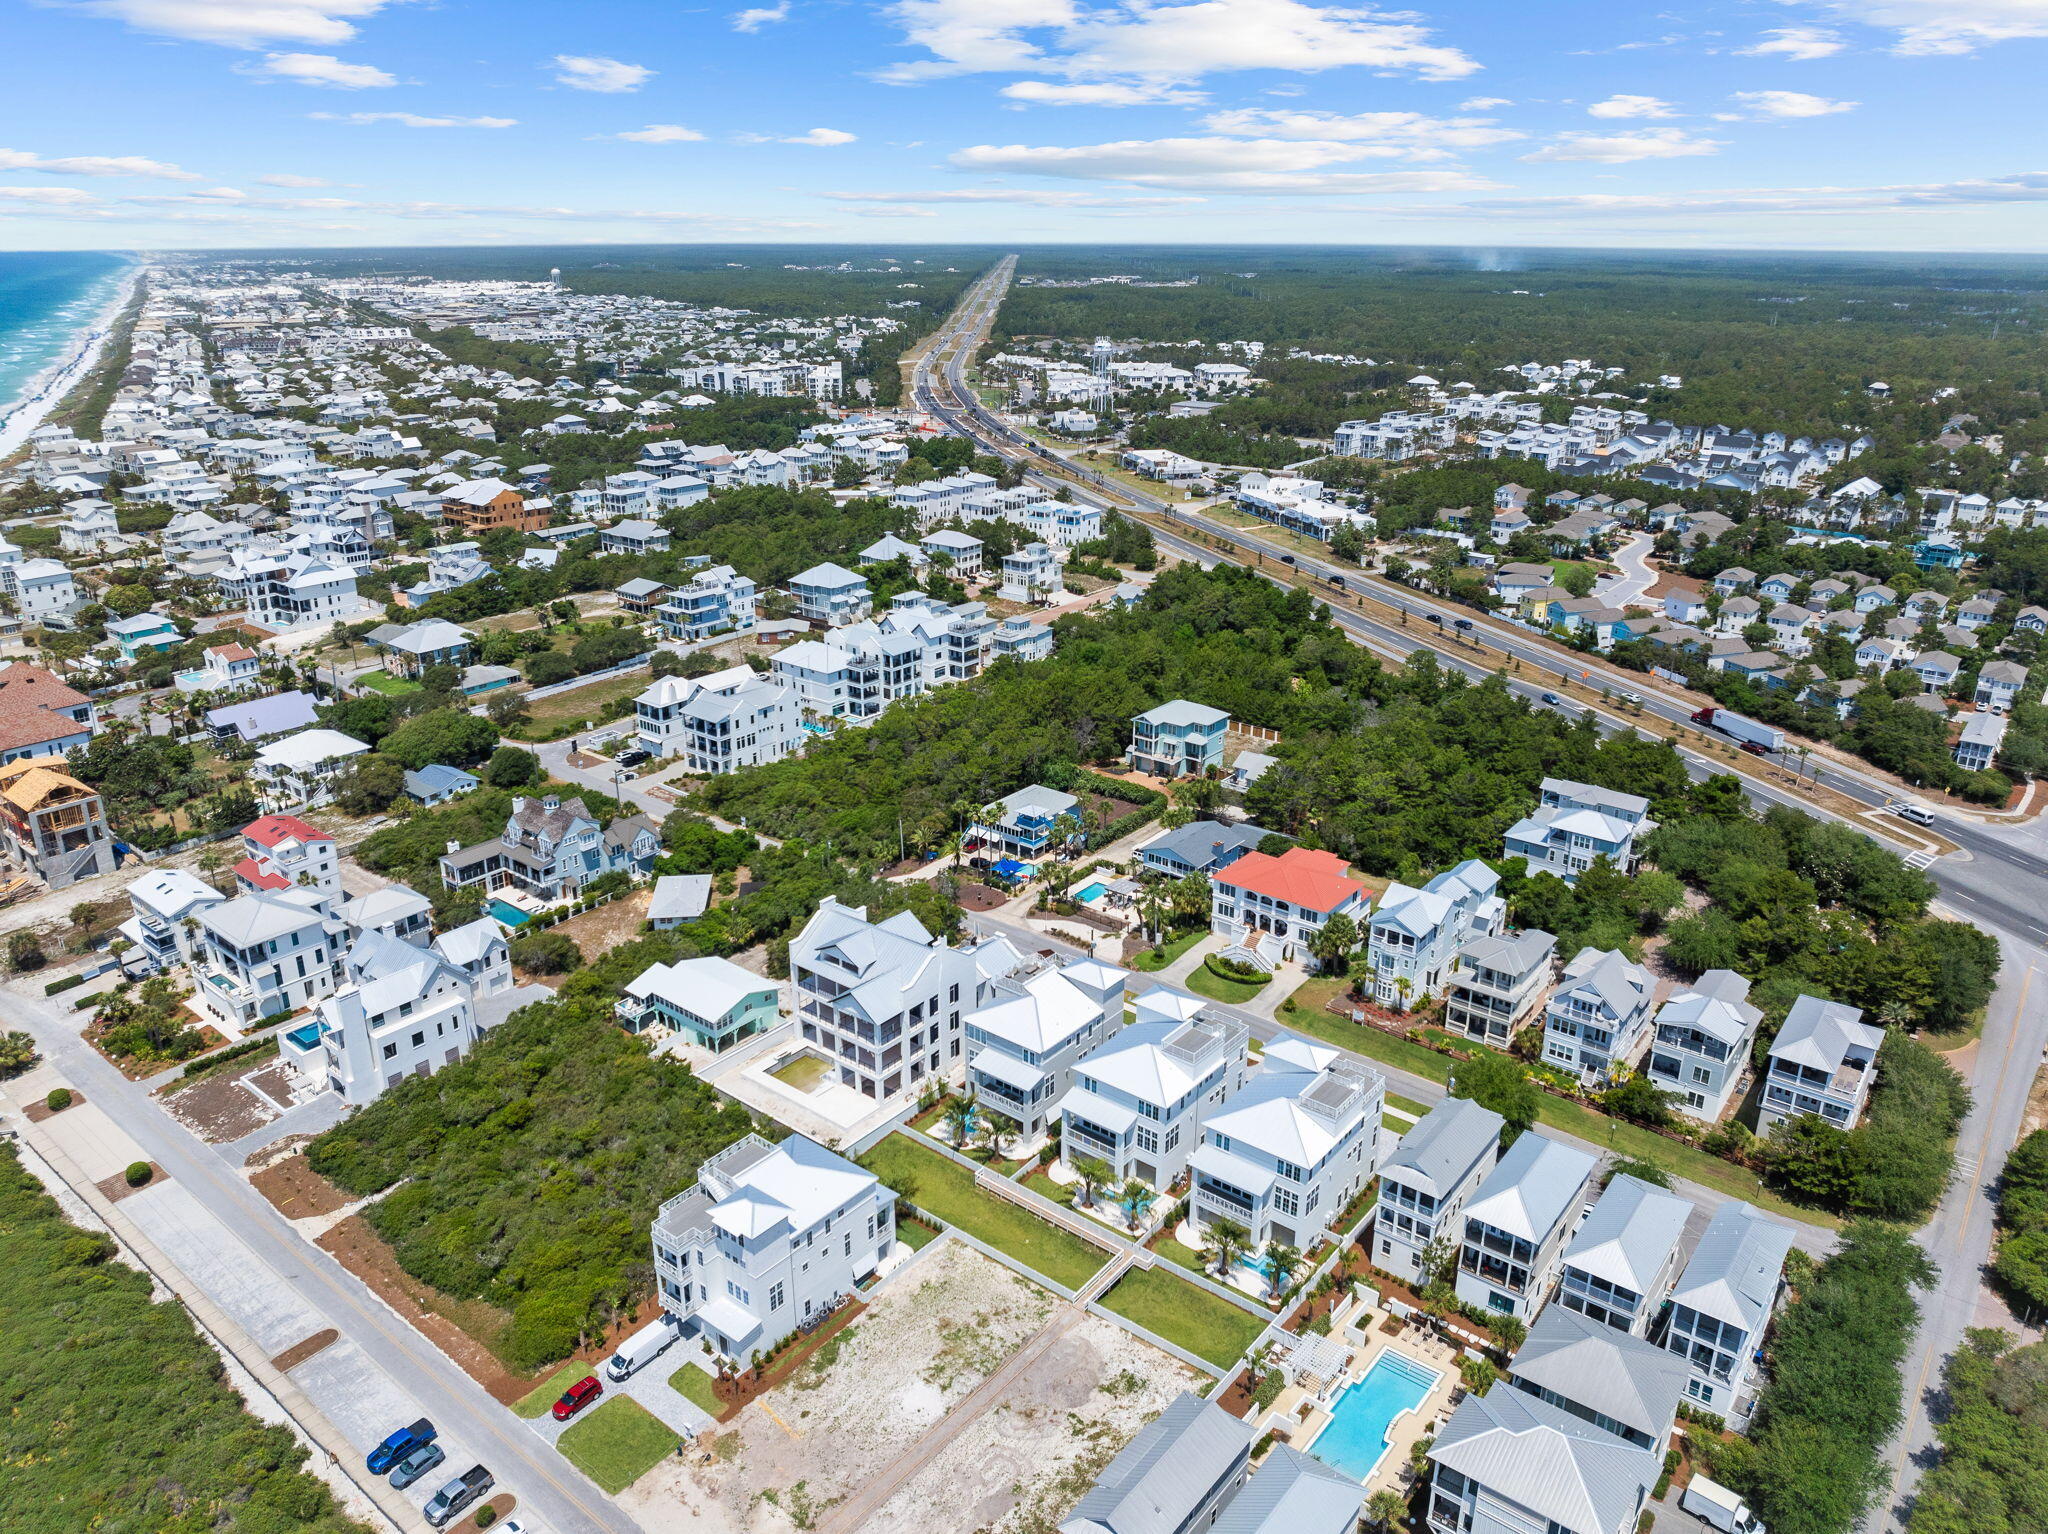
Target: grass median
{"type": "Point", "coordinates": [945, 1188]}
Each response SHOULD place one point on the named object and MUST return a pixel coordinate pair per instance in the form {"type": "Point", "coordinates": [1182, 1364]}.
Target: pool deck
{"type": "Point", "coordinates": [1299, 1415]}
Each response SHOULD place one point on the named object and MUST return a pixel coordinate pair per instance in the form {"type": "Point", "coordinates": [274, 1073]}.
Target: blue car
{"type": "Point", "coordinates": [400, 1444]}
{"type": "Point", "coordinates": [416, 1464]}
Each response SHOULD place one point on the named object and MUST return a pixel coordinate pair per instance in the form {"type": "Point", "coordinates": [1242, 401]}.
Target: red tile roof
{"type": "Point", "coordinates": [272, 829]}
{"type": "Point", "coordinates": [29, 698]}
{"type": "Point", "coordinates": [1301, 876]}
{"type": "Point", "coordinates": [249, 871]}
{"type": "Point", "coordinates": [232, 652]}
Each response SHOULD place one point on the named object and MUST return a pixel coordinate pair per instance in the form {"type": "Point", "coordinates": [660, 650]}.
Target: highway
{"type": "Point", "coordinates": [1995, 878]}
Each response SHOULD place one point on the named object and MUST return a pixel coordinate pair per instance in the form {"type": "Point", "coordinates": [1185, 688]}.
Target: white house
{"type": "Point", "coordinates": [1573, 824]}
{"type": "Point", "coordinates": [403, 1010]}
{"type": "Point", "coordinates": [298, 772]}
{"type": "Point", "coordinates": [1722, 1305]}
{"type": "Point", "coordinates": [1031, 574]}
{"type": "Point", "coordinates": [1425, 1183]}
{"type": "Point", "coordinates": [1822, 1062]}
{"type": "Point", "coordinates": [1140, 1098]}
{"type": "Point", "coordinates": [1285, 1155]}
{"type": "Point", "coordinates": [831, 594]}
{"type": "Point", "coordinates": [1271, 908]}
{"type": "Point", "coordinates": [1178, 739]}
{"type": "Point", "coordinates": [768, 1237]}
{"type": "Point", "coordinates": [260, 955]}
{"type": "Point", "coordinates": [1702, 1043]}
{"type": "Point", "coordinates": [1622, 1263]}
{"type": "Point", "coordinates": [281, 852]}
{"type": "Point", "coordinates": [1597, 1020]}
{"type": "Point", "coordinates": [164, 901]}
{"type": "Point", "coordinates": [1023, 1043]}
{"type": "Point", "coordinates": [717, 723]}
{"type": "Point", "coordinates": [1517, 1223]}
{"type": "Point", "coordinates": [1416, 934]}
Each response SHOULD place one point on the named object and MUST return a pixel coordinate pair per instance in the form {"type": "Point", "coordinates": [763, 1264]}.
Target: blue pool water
{"type": "Point", "coordinates": [1090, 892]}
{"type": "Point", "coordinates": [510, 915]}
{"type": "Point", "coordinates": [1356, 1439]}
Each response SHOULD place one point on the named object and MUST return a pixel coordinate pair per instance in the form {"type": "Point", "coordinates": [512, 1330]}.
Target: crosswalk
{"type": "Point", "coordinates": [1919, 860]}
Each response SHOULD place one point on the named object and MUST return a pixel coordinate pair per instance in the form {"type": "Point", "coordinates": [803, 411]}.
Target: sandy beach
{"type": "Point", "coordinates": [58, 379]}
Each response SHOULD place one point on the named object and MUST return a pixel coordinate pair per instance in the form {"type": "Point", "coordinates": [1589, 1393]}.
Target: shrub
{"type": "Point", "coordinates": [486, 1516]}
{"type": "Point", "coordinates": [1230, 969]}
{"type": "Point", "coordinates": [138, 1173]}
{"type": "Point", "coordinates": [58, 1100]}
{"type": "Point", "coordinates": [69, 981]}
{"type": "Point", "coordinates": [24, 953]}
{"type": "Point", "coordinates": [546, 953]}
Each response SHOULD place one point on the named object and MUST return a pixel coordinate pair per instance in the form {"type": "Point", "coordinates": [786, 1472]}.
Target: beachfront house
{"type": "Point", "coordinates": [1023, 1043]}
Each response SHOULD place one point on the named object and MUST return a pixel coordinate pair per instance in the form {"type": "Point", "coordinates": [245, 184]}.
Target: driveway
{"type": "Point", "coordinates": [1636, 576]}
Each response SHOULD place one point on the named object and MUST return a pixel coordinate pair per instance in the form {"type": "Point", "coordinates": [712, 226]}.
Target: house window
{"type": "Point", "coordinates": [775, 1296]}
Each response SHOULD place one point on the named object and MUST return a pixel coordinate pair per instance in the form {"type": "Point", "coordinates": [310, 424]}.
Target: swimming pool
{"type": "Point", "coordinates": [507, 913]}
{"type": "Point", "coordinates": [1356, 1440]}
{"type": "Point", "coordinates": [1090, 892]}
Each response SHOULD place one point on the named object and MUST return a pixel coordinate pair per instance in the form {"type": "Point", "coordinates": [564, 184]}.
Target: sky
{"type": "Point", "coordinates": [1791, 124]}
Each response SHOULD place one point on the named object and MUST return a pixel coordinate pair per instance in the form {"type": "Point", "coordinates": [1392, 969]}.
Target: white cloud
{"type": "Point", "coordinates": [323, 69]}
{"type": "Point", "coordinates": [1791, 104]}
{"type": "Point", "coordinates": [757, 17]}
{"type": "Point", "coordinates": [816, 138]}
{"type": "Point", "coordinates": [609, 76]}
{"type": "Point", "coordinates": [285, 178]}
{"type": "Point", "coordinates": [1102, 93]}
{"type": "Point", "coordinates": [1402, 135]}
{"type": "Point", "coordinates": [1622, 148]}
{"type": "Point", "coordinates": [240, 23]}
{"type": "Point", "coordinates": [1163, 41]}
{"type": "Point", "coordinates": [415, 120]}
{"type": "Point", "coordinates": [1949, 26]}
{"type": "Point", "coordinates": [1212, 164]}
{"type": "Point", "coordinates": [1028, 196]}
{"type": "Point", "coordinates": [1483, 103]}
{"type": "Point", "coordinates": [894, 213]}
{"type": "Point", "coordinates": [2020, 187]}
{"type": "Point", "coordinates": [1631, 106]}
{"type": "Point", "coordinates": [663, 133]}
{"type": "Point", "coordinates": [94, 165]}
{"type": "Point", "coordinates": [48, 196]}
{"type": "Point", "coordinates": [1797, 43]}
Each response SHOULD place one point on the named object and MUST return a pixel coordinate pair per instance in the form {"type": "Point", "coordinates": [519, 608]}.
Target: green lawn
{"type": "Point", "coordinates": [946, 1189]}
{"type": "Point", "coordinates": [616, 1443]}
{"type": "Point", "coordinates": [1152, 960]}
{"type": "Point", "coordinates": [1576, 1119]}
{"type": "Point", "coordinates": [386, 683]}
{"type": "Point", "coordinates": [915, 1234]}
{"type": "Point", "coordinates": [1204, 981]}
{"type": "Point", "coordinates": [548, 1391]}
{"type": "Point", "coordinates": [1188, 1317]}
{"type": "Point", "coordinates": [1186, 1256]}
{"type": "Point", "coordinates": [694, 1386]}
{"type": "Point", "coordinates": [1406, 1104]}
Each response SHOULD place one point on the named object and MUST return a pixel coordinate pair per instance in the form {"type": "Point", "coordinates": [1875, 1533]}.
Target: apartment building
{"type": "Point", "coordinates": [1426, 1182]}
{"type": "Point", "coordinates": [717, 600]}
{"type": "Point", "coordinates": [1285, 1155]}
{"type": "Point", "coordinates": [1517, 1224]}
{"type": "Point", "coordinates": [1822, 1062]}
{"type": "Point", "coordinates": [52, 826]}
{"type": "Point", "coordinates": [1415, 934]}
{"type": "Point", "coordinates": [1140, 1098]}
{"type": "Point", "coordinates": [1621, 1265]}
{"type": "Point", "coordinates": [281, 852]}
{"type": "Point", "coordinates": [1598, 1018]}
{"type": "Point", "coordinates": [767, 1238]}
{"type": "Point", "coordinates": [1178, 739]}
{"type": "Point", "coordinates": [1573, 824]}
{"type": "Point", "coordinates": [1496, 982]}
{"type": "Point", "coordinates": [1722, 1305]}
{"type": "Point", "coordinates": [884, 1000]}
{"type": "Point", "coordinates": [260, 955]}
{"type": "Point", "coordinates": [711, 1002]}
{"type": "Point", "coordinates": [1701, 1046]}
{"type": "Point", "coordinates": [831, 595]}
{"type": "Point", "coordinates": [1271, 908]}
{"type": "Point", "coordinates": [1023, 1043]}
{"type": "Point", "coordinates": [730, 719]}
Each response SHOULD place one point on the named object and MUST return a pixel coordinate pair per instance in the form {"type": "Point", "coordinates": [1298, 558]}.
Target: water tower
{"type": "Point", "coordinates": [555, 278]}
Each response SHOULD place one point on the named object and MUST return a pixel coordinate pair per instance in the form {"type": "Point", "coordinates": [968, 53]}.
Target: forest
{"type": "Point", "coordinates": [1785, 341]}
{"type": "Point", "coordinates": [1992, 1477]}
{"type": "Point", "coordinates": [114, 1412]}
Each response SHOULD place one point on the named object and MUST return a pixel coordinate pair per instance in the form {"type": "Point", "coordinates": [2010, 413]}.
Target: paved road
{"type": "Point", "coordinates": [1636, 576]}
{"type": "Point", "coordinates": [383, 1368]}
{"type": "Point", "coordinates": [1999, 878]}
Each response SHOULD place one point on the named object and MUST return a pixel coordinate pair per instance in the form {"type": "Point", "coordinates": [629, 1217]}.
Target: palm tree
{"type": "Point", "coordinates": [1136, 1200]}
{"type": "Point", "coordinates": [1387, 1511]}
{"type": "Point", "coordinates": [1278, 1262]}
{"type": "Point", "coordinates": [997, 1130]}
{"type": "Point", "coordinates": [1094, 1173]}
{"type": "Point", "coordinates": [1228, 1241]}
{"type": "Point", "coordinates": [960, 1116]}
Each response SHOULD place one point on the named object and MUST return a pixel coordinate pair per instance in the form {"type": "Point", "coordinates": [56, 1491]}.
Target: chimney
{"type": "Point", "coordinates": [454, 847]}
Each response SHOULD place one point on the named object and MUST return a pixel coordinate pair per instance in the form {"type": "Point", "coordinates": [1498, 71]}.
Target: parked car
{"type": "Point", "coordinates": [416, 1464]}
{"type": "Point", "coordinates": [576, 1397]}
{"type": "Point", "coordinates": [640, 1348]}
{"type": "Point", "coordinates": [627, 777]}
{"type": "Point", "coordinates": [448, 1503]}
{"type": "Point", "coordinates": [400, 1444]}
{"type": "Point", "coordinates": [632, 758]}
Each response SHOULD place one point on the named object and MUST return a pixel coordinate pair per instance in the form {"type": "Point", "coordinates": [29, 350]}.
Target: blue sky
{"type": "Point", "coordinates": [1828, 124]}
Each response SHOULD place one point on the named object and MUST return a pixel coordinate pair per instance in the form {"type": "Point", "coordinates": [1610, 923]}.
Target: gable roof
{"type": "Point", "coordinates": [1543, 1458]}
{"type": "Point", "coordinates": [1604, 1370]}
{"type": "Point", "coordinates": [1165, 1473]}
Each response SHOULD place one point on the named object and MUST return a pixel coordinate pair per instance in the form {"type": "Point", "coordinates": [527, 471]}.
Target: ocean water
{"type": "Point", "coordinates": [46, 298]}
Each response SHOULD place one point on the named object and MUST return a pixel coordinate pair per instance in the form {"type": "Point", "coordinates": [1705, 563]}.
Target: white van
{"type": "Point", "coordinates": [638, 1350]}
{"type": "Point", "coordinates": [1912, 812]}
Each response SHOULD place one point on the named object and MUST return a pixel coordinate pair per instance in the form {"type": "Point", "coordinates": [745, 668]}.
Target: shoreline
{"type": "Point", "coordinates": [49, 387]}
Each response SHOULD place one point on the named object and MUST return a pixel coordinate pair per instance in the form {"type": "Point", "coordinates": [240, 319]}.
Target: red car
{"type": "Point", "coordinates": [576, 1397]}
